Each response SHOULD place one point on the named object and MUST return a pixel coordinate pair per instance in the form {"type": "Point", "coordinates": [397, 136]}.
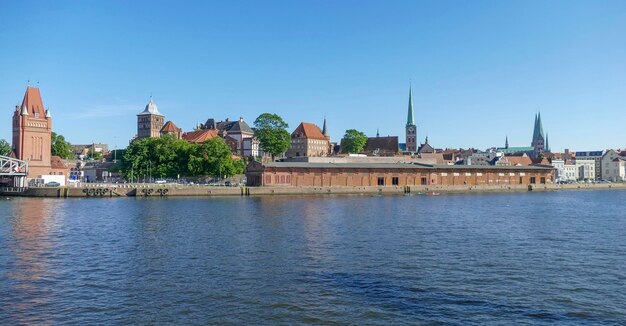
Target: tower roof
{"type": "Point", "coordinates": [33, 103]}
{"type": "Point", "coordinates": [308, 130]}
{"type": "Point", "coordinates": [151, 108]}
{"type": "Point", "coordinates": [538, 130]}
{"type": "Point", "coordinates": [169, 127]}
{"type": "Point", "coordinates": [410, 120]}
{"type": "Point", "coordinates": [324, 130]}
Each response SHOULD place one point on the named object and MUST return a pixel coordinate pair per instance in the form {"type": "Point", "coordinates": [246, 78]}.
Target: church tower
{"type": "Point", "coordinates": [411, 128]}
{"type": "Point", "coordinates": [32, 133]}
{"type": "Point", "coordinates": [150, 121]}
{"type": "Point", "coordinates": [539, 139]}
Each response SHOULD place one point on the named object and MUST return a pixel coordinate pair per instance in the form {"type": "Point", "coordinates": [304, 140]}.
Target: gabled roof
{"type": "Point", "coordinates": [200, 136]}
{"type": "Point", "coordinates": [169, 127]}
{"type": "Point", "coordinates": [33, 103]}
{"type": "Point", "coordinates": [425, 148]}
{"type": "Point", "coordinates": [388, 145]}
{"type": "Point", "coordinates": [308, 130]}
{"type": "Point", "coordinates": [237, 126]}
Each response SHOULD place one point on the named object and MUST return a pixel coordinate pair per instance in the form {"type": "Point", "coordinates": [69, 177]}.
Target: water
{"type": "Point", "coordinates": [526, 258]}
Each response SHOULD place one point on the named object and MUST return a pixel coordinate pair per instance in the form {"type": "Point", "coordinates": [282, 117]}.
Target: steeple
{"type": "Point", "coordinates": [547, 145]}
{"type": "Point", "coordinates": [410, 120]}
{"type": "Point", "coordinates": [506, 142]}
{"type": "Point", "coordinates": [377, 133]}
{"type": "Point", "coordinates": [324, 130]}
{"type": "Point", "coordinates": [538, 130]}
{"type": "Point", "coordinates": [426, 140]}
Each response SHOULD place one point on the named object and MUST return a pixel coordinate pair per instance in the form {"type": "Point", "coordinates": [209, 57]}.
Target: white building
{"type": "Point", "coordinates": [596, 158]}
{"type": "Point", "coordinates": [585, 169]}
{"type": "Point", "coordinates": [613, 167]}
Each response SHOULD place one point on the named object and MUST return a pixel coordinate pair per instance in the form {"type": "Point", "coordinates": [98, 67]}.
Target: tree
{"type": "Point", "coordinates": [213, 158]}
{"type": "Point", "coordinates": [270, 130]}
{"type": "Point", "coordinates": [60, 147]}
{"type": "Point", "coordinates": [5, 148]}
{"type": "Point", "coordinates": [353, 141]}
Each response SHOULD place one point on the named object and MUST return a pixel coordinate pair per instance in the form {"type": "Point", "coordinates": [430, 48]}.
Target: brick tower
{"type": "Point", "coordinates": [149, 121]}
{"type": "Point", "coordinates": [32, 133]}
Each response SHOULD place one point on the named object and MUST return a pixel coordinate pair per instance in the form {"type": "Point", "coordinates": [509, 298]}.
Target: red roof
{"type": "Point", "coordinates": [57, 163]}
{"type": "Point", "coordinates": [200, 136]}
{"type": "Point", "coordinates": [169, 127]}
{"type": "Point", "coordinates": [308, 130]}
{"type": "Point", "coordinates": [32, 100]}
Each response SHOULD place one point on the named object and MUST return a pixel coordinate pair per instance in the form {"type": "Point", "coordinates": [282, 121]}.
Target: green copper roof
{"type": "Point", "coordinates": [538, 131]}
{"type": "Point", "coordinates": [410, 120]}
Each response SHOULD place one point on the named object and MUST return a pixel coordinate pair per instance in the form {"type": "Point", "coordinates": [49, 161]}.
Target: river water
{"type": "Point", "coordinates": [524, 258]}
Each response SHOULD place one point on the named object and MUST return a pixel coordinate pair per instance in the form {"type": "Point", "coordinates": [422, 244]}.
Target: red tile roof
{"type": "Point", "coordinates": [308, 130]}
{"type": "Point", "coordinates": [32, 100]}
{"type": "Point", "coordinates": [169, 127]}
{"type": "Point", "coordinates": [200, 136]}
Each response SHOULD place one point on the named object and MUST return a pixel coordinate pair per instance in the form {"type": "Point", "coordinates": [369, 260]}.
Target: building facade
{"type": "Point", "coordinates": [585, 169]}
{"type": "Point", "coordinates": [238, 130]}
{"type": "Point", "coordinates": [308, 140]}
{"type": "Point", "coordinates": [150, 121]}
{"type": "Point", "coordinates": [613, 167]}
{"type": "Point", "coordinates": [391, 174]}
{"type": "Point", "coordinates": [32, 137]}
{"type": "Point", "coordinates": [595, 157]}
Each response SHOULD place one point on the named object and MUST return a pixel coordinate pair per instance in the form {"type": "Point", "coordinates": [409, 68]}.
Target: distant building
{"type": "Point", "coordinates": [32, 139]}
{"type": "Point", "coordinates": [149, 121]}
{"type": "Point", "coordinates": [308, 140]}
{"type": "Point", "coordinates": [425, 148]}
{"type": "Point", "coordinates": [582, 158]}
{"type": "Point", "coordinates": [613, 166]}
{"type": "Point", "coordinates": [171, 129]}
{"type": "Point", "coordinates": [239, 131]}
{"type": "Point", "coordinates": [83, 150]}
{"type": "Point", "coordinates": [381, 146]}
{"type": "Point", "coordinates": [538, 147]}
{"type": "Point", "coordinates": [586, 169]}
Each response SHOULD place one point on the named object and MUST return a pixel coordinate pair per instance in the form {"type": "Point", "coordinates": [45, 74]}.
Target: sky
{"type": "Point", "coordinates": [479, 70]}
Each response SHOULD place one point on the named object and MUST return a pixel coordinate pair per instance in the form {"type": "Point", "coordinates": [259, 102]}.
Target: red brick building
{"type": "Point", "coordinates": [308, 140]}
{"type": "Point", "coordinates": [32, 136]}
{"type": "Point", "coordinates": [391, 174]}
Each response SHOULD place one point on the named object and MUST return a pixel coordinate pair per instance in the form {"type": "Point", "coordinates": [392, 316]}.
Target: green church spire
{"type": "Point", "coordinates": [410, 120]}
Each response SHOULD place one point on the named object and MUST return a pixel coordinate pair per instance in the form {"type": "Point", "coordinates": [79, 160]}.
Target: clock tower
{"type": "Point", "coordinates": [411, 128]}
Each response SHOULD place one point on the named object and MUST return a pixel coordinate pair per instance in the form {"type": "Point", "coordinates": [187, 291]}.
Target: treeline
{"type": "Point", "coordinates": [168, 157]}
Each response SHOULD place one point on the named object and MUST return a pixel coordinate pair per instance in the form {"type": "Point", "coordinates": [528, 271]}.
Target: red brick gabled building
{"type": "Point", "coordinates": [32, 136]}
{"type": "Point", "coordinates": [309, 140]}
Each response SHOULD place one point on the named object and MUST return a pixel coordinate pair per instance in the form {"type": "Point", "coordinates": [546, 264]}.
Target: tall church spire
{"type": "Point", "coordinates": [506, 142]}
{"type": "Point", "coordinates": [324, 130]}
{"type": "Point", "coordinates": [410, 120]}
{"type": "Point", "coordinates": [547, 145]}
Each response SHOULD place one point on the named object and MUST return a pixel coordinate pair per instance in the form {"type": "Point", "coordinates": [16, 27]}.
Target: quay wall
{"type": "Point", "coordinates": [108, 191]}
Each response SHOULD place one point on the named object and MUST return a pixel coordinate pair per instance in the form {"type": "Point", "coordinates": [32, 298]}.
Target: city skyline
{"type": "Point", "coordinates": [479, 73]}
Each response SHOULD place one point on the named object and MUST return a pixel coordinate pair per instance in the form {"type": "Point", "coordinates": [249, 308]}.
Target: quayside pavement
{"type": "Point", "coordinates": [165, 190]}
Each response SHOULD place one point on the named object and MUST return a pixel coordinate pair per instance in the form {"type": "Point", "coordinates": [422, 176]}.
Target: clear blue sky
{"type": "Point", "coordinates": [480, 69]}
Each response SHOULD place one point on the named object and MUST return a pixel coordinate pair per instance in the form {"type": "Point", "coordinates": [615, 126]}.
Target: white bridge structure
{"type": "Point", "coordinates": [15, 169]}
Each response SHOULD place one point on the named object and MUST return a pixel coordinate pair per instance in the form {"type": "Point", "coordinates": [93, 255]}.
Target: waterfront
{"type": "Point", "coordinates": [463, 259]}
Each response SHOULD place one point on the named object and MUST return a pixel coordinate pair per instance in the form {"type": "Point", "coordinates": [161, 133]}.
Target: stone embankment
{"type": "Point", "coordinates": [143, 190]}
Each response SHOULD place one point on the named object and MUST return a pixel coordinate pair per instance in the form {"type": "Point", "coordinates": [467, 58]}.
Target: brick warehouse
{"type": "Point", "coordinates": [391, 174]}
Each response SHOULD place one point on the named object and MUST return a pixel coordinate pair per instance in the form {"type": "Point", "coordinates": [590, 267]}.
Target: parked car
{"type": "Point", "coordinates": [53, 184]}
{"type": "Point", "coordinates": [160, 182]}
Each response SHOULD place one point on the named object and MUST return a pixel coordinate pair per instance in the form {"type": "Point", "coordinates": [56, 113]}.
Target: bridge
{"type": "Point", "coordinates": [12, 167]}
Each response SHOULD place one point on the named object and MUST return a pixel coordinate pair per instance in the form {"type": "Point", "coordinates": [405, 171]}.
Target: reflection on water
{"type": "Point", "coordinates": [463, 259]}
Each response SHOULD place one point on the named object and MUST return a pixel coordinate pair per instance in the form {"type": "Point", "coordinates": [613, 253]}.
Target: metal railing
{"type": "Point", "coordinates": [12, 167]}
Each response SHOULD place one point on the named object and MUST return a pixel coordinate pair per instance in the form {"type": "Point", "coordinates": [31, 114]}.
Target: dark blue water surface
{"type": "Point", "coordinates": [525, 258]}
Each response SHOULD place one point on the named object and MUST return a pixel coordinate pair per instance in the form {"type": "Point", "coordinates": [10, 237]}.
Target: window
{"type": "Point", "coordinates": [424, 181]}
{"type": "Point", "coordinates": [381, 181]}
{"type": "Point", "coordinates": [521, 180]}
{"type": "Point", "coordinates": [395, 181]}
{"type": "Point", "coordinates": [533, 180]}
{"type": "Point", "coordinates": [543, 180]}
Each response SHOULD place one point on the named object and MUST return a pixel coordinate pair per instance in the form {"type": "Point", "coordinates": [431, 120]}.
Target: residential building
{"type": "Point", "coordinates": [586, 169]}
{"type": "Point", "coordinates": [308, 140]}
{"type": "Point", "coordinates": [238, 130]}
{"type": "Point", "coordinates": [596, 158]}
{"type": "Point", "coordinates": [613, 166]}
{"type": "Point", "coordinates": [381, 146]}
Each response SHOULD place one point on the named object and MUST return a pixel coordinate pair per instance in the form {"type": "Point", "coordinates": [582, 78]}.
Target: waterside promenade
{"type": "Point", "coordinates": [164, 190]}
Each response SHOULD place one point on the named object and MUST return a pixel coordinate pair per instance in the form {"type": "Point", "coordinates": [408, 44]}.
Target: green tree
{"type": "Point", "coordinates": [60, 147]}
{"type": "Point", "coordinates": [213, 158]}
{"type": "Point", "coordinates": [353, 141]}
{"type": "Point", "coordinates": [5, 148]}
{"type": "Point", "coordinates": [270, 130]}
